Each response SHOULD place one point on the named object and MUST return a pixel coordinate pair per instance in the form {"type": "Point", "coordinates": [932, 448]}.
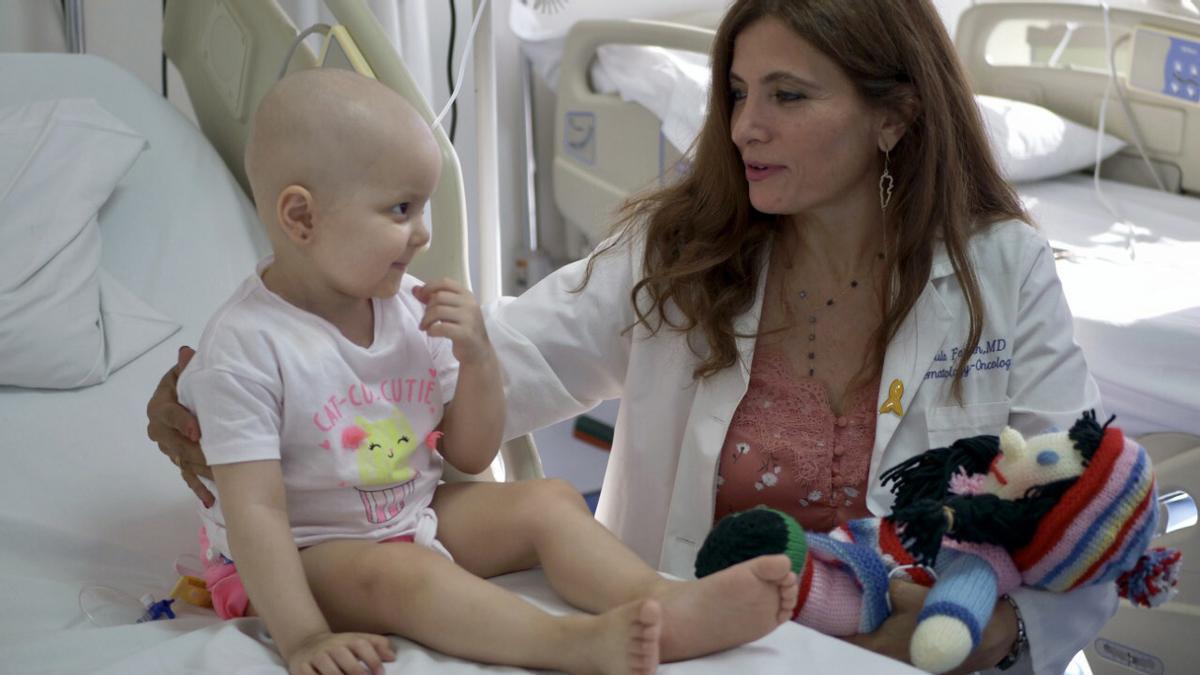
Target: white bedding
{"type": "Point", "coordinates": [1138, 320]}
{"type": "Point", "coordinates": [84, 497]}
{"type": "Point", "coordinates": [64, 322]}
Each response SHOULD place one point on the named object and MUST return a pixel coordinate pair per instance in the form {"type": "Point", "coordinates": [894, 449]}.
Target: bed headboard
{"type": "Point", "coordinates": [593, 174]}
{"type": "Point", "coordinates": [229, 53]}
{"type": "Point", "coordinates": [1053, 53]}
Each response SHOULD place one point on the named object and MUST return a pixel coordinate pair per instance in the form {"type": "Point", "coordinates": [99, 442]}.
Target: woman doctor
{"type": "Point", "coordinates": [843, 280]}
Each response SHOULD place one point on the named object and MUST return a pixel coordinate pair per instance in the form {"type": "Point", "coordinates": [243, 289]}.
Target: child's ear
{"type": "Point", "coordinates": [294, 213]}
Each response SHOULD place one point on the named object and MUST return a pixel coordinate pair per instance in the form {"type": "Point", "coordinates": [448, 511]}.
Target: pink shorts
{"type": "Point", "coordinates": [225, 585]}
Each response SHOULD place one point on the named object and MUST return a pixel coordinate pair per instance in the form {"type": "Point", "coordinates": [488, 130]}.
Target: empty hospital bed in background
{"type": "Point", "coordinates": [91, 516]}
{"type": "Point", "coordinates": [1131, 274]}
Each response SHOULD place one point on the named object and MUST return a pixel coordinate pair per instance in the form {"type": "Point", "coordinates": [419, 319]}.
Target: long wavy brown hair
{"type": "Point", "coordinates": [705, 242]}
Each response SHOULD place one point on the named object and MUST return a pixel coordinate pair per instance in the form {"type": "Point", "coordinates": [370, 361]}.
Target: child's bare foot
{"type": "Point", "coordinates": [728, 608]}
{"type": "Point", "coordinates": [622, 641]}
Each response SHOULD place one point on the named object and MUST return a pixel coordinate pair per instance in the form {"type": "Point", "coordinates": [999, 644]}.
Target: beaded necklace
{"type": "Point", "coordinates": [813, 313]}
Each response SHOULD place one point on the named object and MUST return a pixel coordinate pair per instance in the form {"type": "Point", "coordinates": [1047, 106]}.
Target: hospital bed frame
{"type": "Point", "coordinates": [1170, 126]}
{"type": "Point", "coordinates": [229, 52]}
{"type": "Point", "coordinates": [593, 178]}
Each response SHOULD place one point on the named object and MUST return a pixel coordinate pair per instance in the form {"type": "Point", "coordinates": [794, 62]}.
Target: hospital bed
{"type": "Point", "coordinates": [628, 105]}
{"type": "Point", "coordinates": [91, 517]}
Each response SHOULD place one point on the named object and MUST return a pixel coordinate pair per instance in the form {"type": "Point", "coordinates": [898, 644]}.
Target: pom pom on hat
{"type": "Point", "coordinates": [1152, 581]}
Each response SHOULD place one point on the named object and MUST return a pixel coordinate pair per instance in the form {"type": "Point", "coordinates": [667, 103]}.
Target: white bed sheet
{"type": "Point", "coordinates": [84, 497]}
{"type": "Point", "coordinates": [1137, 319]}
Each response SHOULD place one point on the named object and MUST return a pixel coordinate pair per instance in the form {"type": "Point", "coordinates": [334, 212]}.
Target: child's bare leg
{"type": "Point", "coordinates": [493, 528]}
{"type": "Point", "coordinates": [412, 591]}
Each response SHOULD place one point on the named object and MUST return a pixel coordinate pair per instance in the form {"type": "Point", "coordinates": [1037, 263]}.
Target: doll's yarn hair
{"type": "Point", "coordinates": [983, 519]}
{"type": "Point", "coordinates": [926, 477]}
{"type": "Point", "coordinates": [1087, 433]}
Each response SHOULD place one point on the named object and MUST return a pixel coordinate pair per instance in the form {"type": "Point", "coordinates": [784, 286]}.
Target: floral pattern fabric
{"type": "Point", "coordinates": [787, 449]}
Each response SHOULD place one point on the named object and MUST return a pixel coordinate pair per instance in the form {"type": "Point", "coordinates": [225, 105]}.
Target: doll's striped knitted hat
{"type": "Point", "coordinates": [1101, 526]}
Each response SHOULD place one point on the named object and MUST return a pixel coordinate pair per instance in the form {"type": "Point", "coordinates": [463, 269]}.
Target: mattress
{"type": "Point", "coordinates": [1134, 288]}
{"type": "Point", "coordinates": [86, 501]}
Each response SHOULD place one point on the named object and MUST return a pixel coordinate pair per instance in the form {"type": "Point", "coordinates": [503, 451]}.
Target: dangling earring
{"type": "Point", "coordinates": [885, 183]}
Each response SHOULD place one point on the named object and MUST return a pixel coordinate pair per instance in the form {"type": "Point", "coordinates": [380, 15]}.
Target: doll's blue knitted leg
{"type": "Point", "coordinates": [956, 611]}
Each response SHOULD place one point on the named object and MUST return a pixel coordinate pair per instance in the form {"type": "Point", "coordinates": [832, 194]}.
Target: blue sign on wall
{"type": "Point", "coordinates": [1181, 76]}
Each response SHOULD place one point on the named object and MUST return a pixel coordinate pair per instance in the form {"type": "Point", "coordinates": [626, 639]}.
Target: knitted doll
{"type": "Point", "coordinates": [973, 521]}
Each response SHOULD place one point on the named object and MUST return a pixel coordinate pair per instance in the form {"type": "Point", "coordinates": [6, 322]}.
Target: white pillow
{"type": "Point", "coordinates": [64, 323]}
{"type": "Point", "coordinates": [1032, 143]}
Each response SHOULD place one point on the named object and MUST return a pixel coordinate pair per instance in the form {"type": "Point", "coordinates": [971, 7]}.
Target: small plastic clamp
{"type": "Point", "coordinates": [156, 610]}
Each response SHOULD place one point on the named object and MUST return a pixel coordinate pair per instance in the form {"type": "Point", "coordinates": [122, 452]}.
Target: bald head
{"type": "Point", "coordinates": [325, 129]}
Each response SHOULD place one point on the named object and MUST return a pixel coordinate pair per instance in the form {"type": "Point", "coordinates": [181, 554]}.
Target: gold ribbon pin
{"type": "Point", "coordinates": [893, 404]}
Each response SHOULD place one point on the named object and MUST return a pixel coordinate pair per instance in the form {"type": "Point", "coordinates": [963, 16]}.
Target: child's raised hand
{"type": "Point", "coordinates": [452, 312]}
{"type": "Point", "coordinates": [341, 653]}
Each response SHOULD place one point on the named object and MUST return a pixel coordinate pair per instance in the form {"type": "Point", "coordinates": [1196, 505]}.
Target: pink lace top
{"type": "Point", "coordinates": [786, 449]}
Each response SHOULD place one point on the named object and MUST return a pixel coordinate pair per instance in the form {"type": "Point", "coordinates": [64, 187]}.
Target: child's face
{"type": "Point", "coordinates": [367, 232]}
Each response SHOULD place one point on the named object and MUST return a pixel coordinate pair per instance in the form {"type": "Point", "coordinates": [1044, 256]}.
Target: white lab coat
{"type": "Point", "coordinates": [564, 352]}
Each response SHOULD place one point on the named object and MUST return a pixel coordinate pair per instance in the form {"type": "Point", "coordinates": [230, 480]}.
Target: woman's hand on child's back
{"type": "Point", "coordinates": [176, 431]}
{"type": "Point", "coordinates": [451, 311]}
{"type": "Point", "coordinates": [338, 653]}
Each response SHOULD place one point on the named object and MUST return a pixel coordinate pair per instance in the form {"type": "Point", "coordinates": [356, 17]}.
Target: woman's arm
{"type": "Point", "coordinates": [1050, 384]}
{"type": "Point", "coordinates": [1061, 624]}
{"type": "Point", "coordinates": [563, 352]}
{"type": "Point", "coordinates": [894, 635]}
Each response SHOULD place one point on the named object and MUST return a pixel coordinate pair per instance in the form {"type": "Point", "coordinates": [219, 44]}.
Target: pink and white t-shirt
{"type": "Point", "coordinates": [349, 424]}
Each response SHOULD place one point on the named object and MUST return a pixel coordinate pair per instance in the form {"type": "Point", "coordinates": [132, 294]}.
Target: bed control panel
{"type": "Point", "coordinates": [1166, 64]}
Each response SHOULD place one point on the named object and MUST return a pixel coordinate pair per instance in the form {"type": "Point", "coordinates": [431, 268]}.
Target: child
{"type": "Point", "coordinates": [323, 387]}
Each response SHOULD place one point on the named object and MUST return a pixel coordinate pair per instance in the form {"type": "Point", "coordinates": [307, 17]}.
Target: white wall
{"type": "Point", "coordinates": [31, 26]}
{"type": "Point", "coordinates": [129, 33]}
{"type": "Point", "coordinates": [951, 10]}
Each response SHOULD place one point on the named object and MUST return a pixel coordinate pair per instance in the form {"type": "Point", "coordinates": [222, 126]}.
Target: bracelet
{"type": "Point", "coordinates": [1020, 644]}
